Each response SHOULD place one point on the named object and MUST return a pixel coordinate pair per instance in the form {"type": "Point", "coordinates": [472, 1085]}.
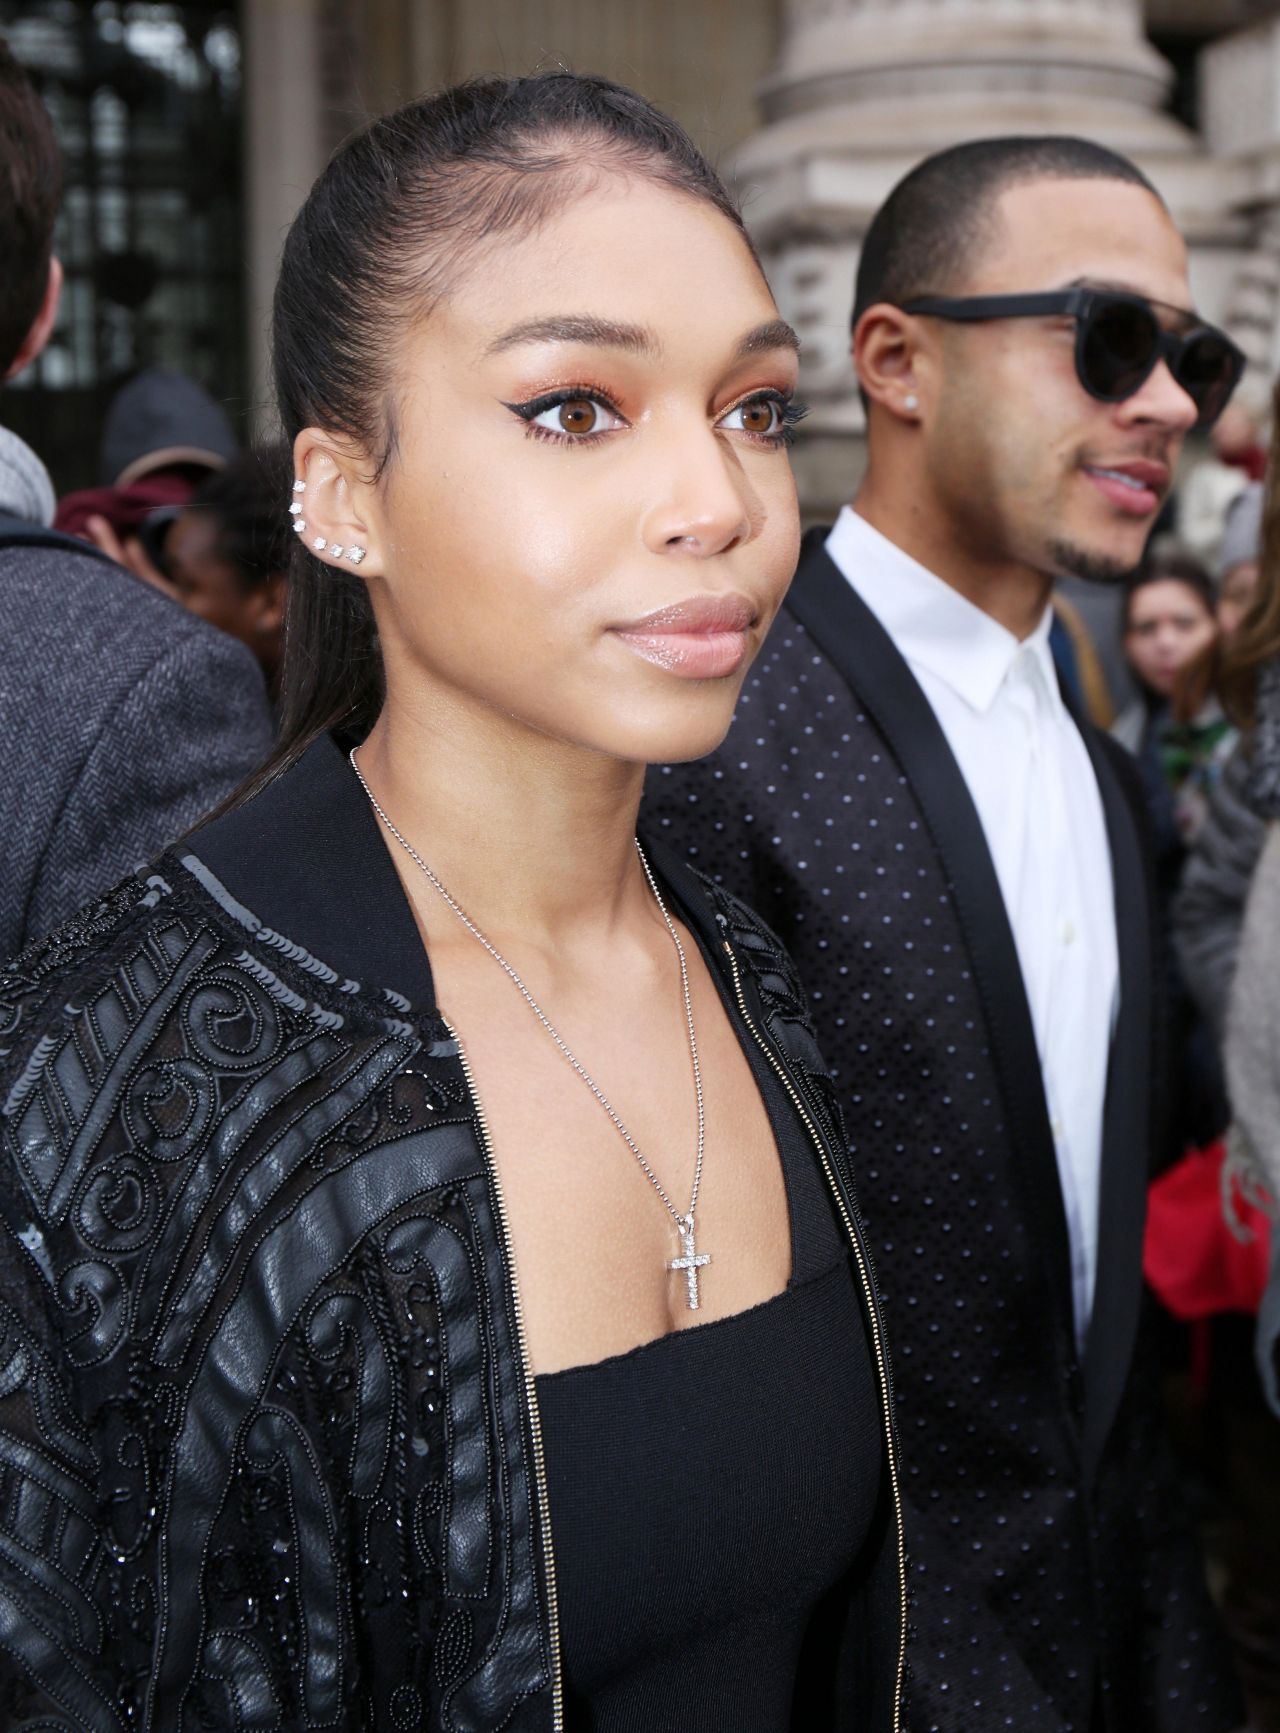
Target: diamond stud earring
{"type": "Point", "coordinates": [299, 525]}
{"type": "Point", "coordinates": [320, 544]}
{"type": "Point", "coordinates": [911, 401]}
{"type": "Point", "coordinates": [337, 550]}
{"type": "Point", "coordinates": [355, 555]}
{"type": "Point", "coordinates": [299, 487]}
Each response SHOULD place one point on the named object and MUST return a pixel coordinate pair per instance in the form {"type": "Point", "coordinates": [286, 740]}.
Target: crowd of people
{"type": "Point", "coordinates": [612, 1117]}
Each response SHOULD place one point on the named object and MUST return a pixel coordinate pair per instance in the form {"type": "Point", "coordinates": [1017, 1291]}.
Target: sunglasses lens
{"type": "Point", "coordinates": [1207, 372]}
{"type": "Point", "coordinates": [1117, 348]}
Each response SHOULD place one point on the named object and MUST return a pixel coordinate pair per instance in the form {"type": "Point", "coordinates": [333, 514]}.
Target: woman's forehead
{"type": "Point", "coordinates": [647, 260]}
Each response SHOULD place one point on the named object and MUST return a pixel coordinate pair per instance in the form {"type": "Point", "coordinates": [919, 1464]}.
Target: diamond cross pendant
{"type": "Point", "coordinates": [690, 1262]}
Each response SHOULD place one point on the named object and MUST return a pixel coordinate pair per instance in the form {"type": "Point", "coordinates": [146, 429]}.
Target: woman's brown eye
{"type": "Point", "coordinates": [758, 417]}
{"type": "Point", "coordinates": [579, 415]}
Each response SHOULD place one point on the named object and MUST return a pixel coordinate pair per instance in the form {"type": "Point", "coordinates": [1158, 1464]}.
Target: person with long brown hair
{"type": "Point", "coordinates": [1209, 907]}
{"type": "Point", "coordinates": [433, 1288]}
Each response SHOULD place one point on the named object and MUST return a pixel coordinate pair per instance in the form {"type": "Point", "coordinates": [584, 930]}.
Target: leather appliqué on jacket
{"type": "Point", "coordinates": [262, 1447]}
{"type": "Point", "coordinates": [786, 1008]}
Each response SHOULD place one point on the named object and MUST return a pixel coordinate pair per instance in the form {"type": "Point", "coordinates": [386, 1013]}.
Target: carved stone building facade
{"type": "Point", "coordinates": [862, 89]}
{"type": "Point", "coordinates": [817, 107]}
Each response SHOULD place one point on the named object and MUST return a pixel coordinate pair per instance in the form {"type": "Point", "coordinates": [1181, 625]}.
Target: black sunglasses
{"type": "Point", "coordinates": [1119, 342]}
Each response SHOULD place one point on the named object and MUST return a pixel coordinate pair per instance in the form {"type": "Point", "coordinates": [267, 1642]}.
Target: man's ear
{"type": "Point", "coordinates": [42, 324]}
{"type": "Point", "coordinates": [887, 356]}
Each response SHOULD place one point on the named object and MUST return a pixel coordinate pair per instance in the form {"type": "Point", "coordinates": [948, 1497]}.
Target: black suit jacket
{"type": "Point", "coordinates": [1054, 1576]}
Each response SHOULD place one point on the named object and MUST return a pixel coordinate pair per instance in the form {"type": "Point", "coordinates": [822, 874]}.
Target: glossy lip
{"type": "Point", "coordinates": [705, 638]}
{"type": "Point", "coordinates": [1140, 501]}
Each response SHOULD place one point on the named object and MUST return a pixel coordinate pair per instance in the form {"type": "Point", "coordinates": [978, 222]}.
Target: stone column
{"type": "Point", "coordinates": [862, 89]}
{"type": "Point", "coordinates": [284, 150]}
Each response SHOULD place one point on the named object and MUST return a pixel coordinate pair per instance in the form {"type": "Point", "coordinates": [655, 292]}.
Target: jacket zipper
{"type": "Point", "coordinates": [873, 1313]}
{"type": "Point", "coordinates": [530, 1395]}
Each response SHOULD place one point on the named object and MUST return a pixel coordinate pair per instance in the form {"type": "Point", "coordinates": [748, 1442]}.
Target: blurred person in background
{"type": "Point", "coordinates": [1181, 740]}
{"type": "Point", "coordinates": [162, 438]}
{"type": "Point", "coordinates": [1209, 906]}
{"type": "Point", "coordinates": [124, 719]}
{"type": "Point", "coordinates": [1228, 934]}
{"type": "Point", "coordinates": [1238, 458]}
{"type": "Point", "coordinates": [225, 556]}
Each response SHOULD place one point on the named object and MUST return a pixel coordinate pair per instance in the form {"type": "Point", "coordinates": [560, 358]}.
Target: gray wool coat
{"type": "Point", "coordinates": [124, 719]}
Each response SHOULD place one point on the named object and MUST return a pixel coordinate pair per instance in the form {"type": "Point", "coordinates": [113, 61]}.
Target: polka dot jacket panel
{"type": "Point", "coordinates": [1022, 1575]}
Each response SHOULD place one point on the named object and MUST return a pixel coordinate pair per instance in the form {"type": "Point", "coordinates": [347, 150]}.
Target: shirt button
{"type": "Point", "coordinates": [1068, 931]}
{"type": "Point", "coordinates": [1055, 1126]}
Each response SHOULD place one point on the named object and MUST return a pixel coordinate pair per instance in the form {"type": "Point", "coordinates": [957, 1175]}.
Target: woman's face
{"type": "Point", "coordinates": [1168, 625]}
{"type": "Point", "coordinates": [589, 520]}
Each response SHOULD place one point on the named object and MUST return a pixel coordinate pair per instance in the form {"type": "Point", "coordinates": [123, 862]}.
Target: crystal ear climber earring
{"type": "Point", "coordinates": [295, 507]}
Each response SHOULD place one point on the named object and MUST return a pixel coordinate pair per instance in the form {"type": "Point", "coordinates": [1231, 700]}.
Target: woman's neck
{"type": "Point", "coordinates": [528, 834]}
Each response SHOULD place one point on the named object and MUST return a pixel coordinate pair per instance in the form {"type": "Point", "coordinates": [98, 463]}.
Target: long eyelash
{"type": "Point", "coordinates": [535, 406]}
{"type": "Point", "coordinates": [790, 411]}
{"type": "Point", "coordinates": [793, 413]}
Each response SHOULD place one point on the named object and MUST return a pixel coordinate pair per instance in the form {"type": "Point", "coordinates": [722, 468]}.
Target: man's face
{"type": "Point", "coordinates": [1024, 467]}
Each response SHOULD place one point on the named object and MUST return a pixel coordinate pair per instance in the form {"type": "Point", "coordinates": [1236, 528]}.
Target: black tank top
{"type": "Point", "coordinates": [710, 1495]}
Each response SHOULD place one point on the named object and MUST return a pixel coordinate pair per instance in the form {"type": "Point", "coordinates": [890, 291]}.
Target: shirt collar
{"type": "Point", "coordinates": [934, 627]}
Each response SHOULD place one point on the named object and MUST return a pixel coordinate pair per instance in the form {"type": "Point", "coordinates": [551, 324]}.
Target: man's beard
{"type": "Point", "coordinates": [1071, 561]}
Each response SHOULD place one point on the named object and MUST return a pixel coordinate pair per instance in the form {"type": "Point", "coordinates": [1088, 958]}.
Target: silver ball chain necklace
{"type": "Point", "coordinates": [691, 1259]}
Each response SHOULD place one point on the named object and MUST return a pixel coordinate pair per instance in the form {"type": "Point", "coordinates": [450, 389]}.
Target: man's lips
{"type": "Point", "coordinates": [704, 638]}
{"type": "Point", "coordinates": [1135, 485]}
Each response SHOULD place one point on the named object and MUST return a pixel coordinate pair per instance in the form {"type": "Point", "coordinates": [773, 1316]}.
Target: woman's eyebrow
{"type": "Point", "coordinates": [576, 328]}
{"type": "Point", "coordinates": [636, 339]}
{"type": "Point", "coordinates": [775, 334]}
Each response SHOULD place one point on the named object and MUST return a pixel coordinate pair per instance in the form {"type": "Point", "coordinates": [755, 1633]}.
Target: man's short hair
{"type": "Point", "coordinates": [928, 233]}
{"type": "Point", "coordinates": [30, 191]}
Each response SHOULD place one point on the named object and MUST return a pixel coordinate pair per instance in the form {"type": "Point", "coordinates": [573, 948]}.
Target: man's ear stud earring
{"type": "Point", "coordinates": [355, 555]}
{"type": "Point", "coordinates": [911, 401]}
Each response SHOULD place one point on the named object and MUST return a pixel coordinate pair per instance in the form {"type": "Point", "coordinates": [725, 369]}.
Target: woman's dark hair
{"type": "Point", "coordinates": [396, 216]}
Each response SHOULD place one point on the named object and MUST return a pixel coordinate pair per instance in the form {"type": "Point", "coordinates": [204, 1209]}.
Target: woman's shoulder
{"type": "Point", "coordinates": [167, 949]}
{"type": "Point", "coordinates": [148, 936]}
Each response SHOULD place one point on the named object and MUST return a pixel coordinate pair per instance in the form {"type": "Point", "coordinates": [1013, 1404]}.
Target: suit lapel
{"type": "Point", "coordinates": [854, 640]}
{"type": "Point", "coordinates": [1126, 1134]}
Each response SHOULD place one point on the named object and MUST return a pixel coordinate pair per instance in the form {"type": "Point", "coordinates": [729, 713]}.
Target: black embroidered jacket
{"type": "Point", "coordinates": [1056, 1584]}
{"type": "Point", "coordinates": [269, 1448]}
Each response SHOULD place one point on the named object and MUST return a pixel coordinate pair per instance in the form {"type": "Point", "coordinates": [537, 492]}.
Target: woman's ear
{"type": "Point", "coordinates": [332, 502]}
{"type": "Point", "coordinates": [887, 356]}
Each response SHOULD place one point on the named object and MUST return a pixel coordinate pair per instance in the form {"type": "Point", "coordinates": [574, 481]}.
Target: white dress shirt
{"type": "Point", "coordinates": [999, 706]}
